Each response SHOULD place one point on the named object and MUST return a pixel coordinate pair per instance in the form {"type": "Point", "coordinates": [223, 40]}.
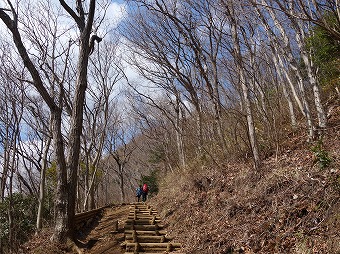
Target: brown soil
{"type": "Point", "coordinates": [101, 237]}
{"type": "Point", "coordinates": [104, 238]}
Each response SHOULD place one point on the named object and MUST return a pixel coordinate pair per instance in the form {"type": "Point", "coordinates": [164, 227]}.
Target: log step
{"type": "Point", "coordinates": [140, 232]}
{"type": "Point", "coordinates": [142, 214]}
{"type": "Point", "coordinates": [152, 246]}
{"type": "Point", "coordinates": [142, 221]}
{"type": "Point", "coordinates": [148, 217]}
{"type": "Point", "coordinates": [143, 227]}
{"type": "Point", "coordinates": [152, 252]}
{"type": "Point", "coordinates": [148, 238]}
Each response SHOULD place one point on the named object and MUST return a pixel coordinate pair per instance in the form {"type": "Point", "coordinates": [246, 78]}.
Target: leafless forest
{"type": "Point", "coordinates": [89, 106]}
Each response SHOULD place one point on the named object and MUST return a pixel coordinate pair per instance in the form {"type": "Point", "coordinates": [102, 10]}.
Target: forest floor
{"type": "Point", "coordinates": [100, 237]}
{"type": "Point", "coordinates": [103, 238]}
{"type": "Point", "coordinates": [291, 205]}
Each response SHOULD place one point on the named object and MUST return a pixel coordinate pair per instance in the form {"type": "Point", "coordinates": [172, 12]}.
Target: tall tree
{"type": "Point", "coordinates": [67, 164]}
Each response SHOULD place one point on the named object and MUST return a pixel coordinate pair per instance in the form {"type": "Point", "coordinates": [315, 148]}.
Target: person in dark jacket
{"type": "Point", "coordinates": [139, 193]}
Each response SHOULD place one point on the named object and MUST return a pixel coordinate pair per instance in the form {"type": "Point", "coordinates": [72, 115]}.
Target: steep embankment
{"type": "Point", "coordinates": [291, 206]}
{"type": "Point", "coordinates": [103, 235]}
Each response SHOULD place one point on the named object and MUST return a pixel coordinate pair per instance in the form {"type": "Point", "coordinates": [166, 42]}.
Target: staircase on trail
{"type": "Point", "coordinates": [144, 234]}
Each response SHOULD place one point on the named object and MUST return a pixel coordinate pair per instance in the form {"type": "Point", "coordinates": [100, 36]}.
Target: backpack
{"type": "Point", "coordinates": [139, 191]}
{"type": "Point", "coordinates": [145, 188]}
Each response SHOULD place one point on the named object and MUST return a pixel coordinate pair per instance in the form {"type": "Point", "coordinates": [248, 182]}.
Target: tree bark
{"type": "Point", "coordinates": [61, 228]}
{"type": "Point", "coordinates": [178, 131]}
{"type": "Point", "coordinates": [121, 183]}
{"type": "Point", "coordinates": [42, 184]}
{"type": "Point", "coordinates": [85, 28]}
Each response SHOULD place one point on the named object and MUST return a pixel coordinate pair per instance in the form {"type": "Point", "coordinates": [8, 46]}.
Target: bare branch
{"type": "Point", "coordinates": [80, 22]}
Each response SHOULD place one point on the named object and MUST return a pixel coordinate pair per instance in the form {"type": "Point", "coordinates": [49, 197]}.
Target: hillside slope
{"type": "Point", "coordinates": [290, 206]}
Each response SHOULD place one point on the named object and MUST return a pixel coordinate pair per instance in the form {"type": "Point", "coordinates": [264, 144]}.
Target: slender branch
{"type": "Point", "coordinates": [38, 83]}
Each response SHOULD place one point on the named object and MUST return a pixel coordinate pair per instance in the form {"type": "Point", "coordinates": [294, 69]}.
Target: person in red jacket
{"type": "Point", "coordinates": [145, 192]}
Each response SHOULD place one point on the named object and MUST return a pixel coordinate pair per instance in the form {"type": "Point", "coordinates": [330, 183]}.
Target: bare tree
{"type": "Point", "coordinates": [67, 166]}
{"type": "Point", "coordinates": [105, 73]}
{"type": "Point", "coordinates": [317, 12]}
{"type": "Point", "coordinates": [170, 60]}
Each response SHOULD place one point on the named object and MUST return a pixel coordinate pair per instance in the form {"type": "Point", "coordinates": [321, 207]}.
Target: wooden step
{"type": "Point", "coordinates": [146, 212]}
{"type": "Point", "coordinates": [147, 232]}
{"type": "Point", "coordinates": [144, 216]}
{"type": "Point", "coordinates": [142, 221]}
{"type": "Point", "coordinates": [143, 227]}
{"type": "Point", "coordinates": [143, 234]}
{"type": "Point", "coordinates": [147, 238]}
{"type": "Point", "coordinates": [154, 252]}
{"type": "Point", "coordinates": [152, 246]}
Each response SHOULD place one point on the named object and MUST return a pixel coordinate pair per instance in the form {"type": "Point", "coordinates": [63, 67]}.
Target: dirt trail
{"type": "Point", "coordinates": [103, 237]}
{"type": "Point", "coordinates": [126, 229]}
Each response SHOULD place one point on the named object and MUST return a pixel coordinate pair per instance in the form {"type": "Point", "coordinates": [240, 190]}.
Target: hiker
{"type": "Point", "coordinates": [139, 192]}
{"type": "Point", "coordinates": [145, 192]}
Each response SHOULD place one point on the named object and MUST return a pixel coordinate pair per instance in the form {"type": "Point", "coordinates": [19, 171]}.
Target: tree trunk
{"type": "Point", "coordinates": [274, 45]}
{"type": "Point", "coordinates": [245, 91]}
{"type": "Point", "coordinates": [217, 105]}
{"type": "Point", "coordinates": [199, 123]}
{"type": "Point", "coordinates": [86, 181]}
{"type": "Point", "coordinates": [10, 209]}
{"type": "Point", "coordinates": [311, 73]}
{"type": "Point", "coordinates": [75, 133]}
{"type": "Point", "coordinates": [285, 92]}
{"type": "Point", "coordinates": [92, 201]}
{"type": "Point", "coordinates": [5, 165]}
{"type": "Point", "coordinates": [11, 238]}
{"type": "Point", "coordinates": [89, 200]}
{"type": "Point", "coordinates": [61, 228]}
{"type": "Point", "coordinates": [178, 130]}
{"type": "Point", "coordinates": [42, 184]}
{"type": "Point", "coordinates": [121, 182]}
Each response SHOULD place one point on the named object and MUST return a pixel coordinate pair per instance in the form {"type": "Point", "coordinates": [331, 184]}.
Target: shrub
{"type": "Point", "coordinates": [23, 216]}
{"type": "Point", "coordinates": [321, 156]}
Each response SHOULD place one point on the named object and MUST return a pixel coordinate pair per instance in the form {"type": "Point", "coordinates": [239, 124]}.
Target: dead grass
{"type": "Point", "coordinates": [99, 237]}
{"type": "Point", "coordinates": [291, 206]}
{"type": "Point", "coordinates": [41, 244]}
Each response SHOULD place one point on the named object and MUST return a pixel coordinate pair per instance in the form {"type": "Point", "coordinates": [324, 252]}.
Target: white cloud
{"type": "Point", "coordinates": [116, 12]}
